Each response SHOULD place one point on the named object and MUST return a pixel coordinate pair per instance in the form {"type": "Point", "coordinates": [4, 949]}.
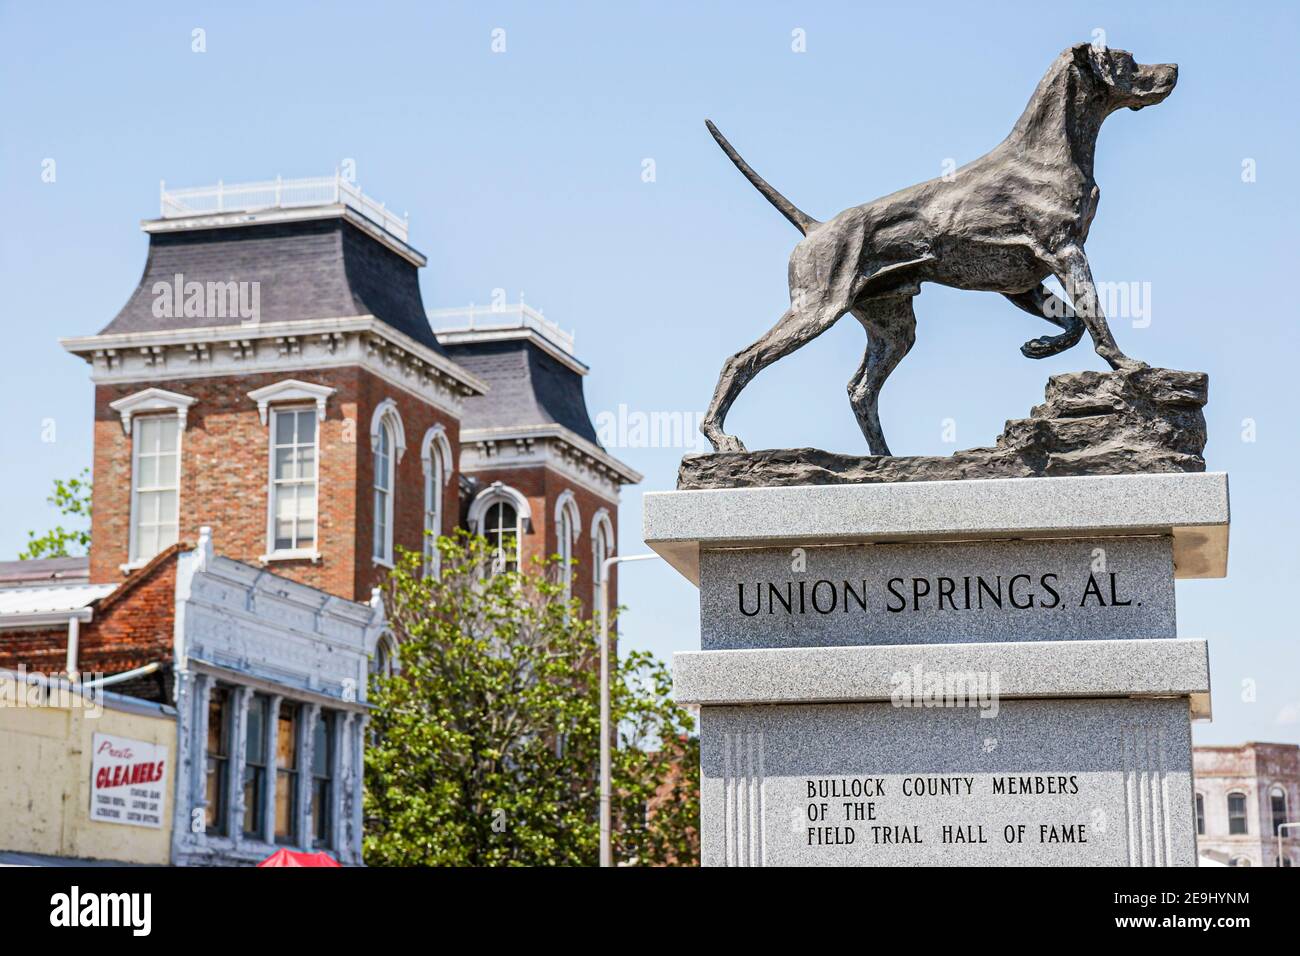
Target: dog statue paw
{"type": "Point", "coordinates": [727, 443]}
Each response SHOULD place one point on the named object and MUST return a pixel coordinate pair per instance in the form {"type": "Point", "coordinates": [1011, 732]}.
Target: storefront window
{"type": "Point", "coordinates": [218, 761]}
{"type": "Point", "coordinates": [322, 789]}
{"type": "Point", "coordinates": [286, 774]}
{"type": "Point", "coordinates": [255, 768]}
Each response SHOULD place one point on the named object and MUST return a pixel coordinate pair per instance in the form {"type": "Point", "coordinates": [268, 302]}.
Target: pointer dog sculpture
{"type": "Point", "coordinates": [1002, 223]}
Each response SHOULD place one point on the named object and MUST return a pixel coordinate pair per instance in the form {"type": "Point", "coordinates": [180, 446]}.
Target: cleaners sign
{"type": "Point", "coordinates": [127, 781]}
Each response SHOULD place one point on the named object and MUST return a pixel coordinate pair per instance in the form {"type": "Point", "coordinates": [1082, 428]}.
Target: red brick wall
{"type": "Point", "coordinates": [225, 470]}
{"type": "Point", "coordinates": [408, 503]}
{"type": "Point", "coordinates": [131, 627]}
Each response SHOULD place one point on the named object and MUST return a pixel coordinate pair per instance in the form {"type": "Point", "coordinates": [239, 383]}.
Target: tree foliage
{"type": "Point", "coordinates": [72, 499]}
{"type": "Point", "coordinates": [485, 746]}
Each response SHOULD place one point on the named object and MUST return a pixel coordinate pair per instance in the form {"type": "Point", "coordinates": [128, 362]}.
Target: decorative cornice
{"type": "Point", "coordinates": [580, 470]}
{"type": "Point", "coordinates": [288, 347]}
{"type": "Point", "coordinates": [595, 457]}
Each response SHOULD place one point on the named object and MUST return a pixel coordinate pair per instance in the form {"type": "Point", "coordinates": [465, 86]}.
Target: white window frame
{"type": "Point", "coordinates": [602, 533]}
{"type": "Point", "coordinates": [133, 561]}
{"type": "Point", "coordinates": [386, 418]}
{"type": "Point", "coordinates": [1277, 790]}
{"type": "Point", "coordinates": [289, 554]}
{"type": "Point", "coordinates": [568, 526]}
{"type": "Point", "coordinates": [294, 395]}
{"type": "Point", "coordinates": [1245, 810]}
{"type": "Point", "coordinates": [435, 455]}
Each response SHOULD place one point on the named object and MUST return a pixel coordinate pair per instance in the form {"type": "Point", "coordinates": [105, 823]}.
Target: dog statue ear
{"type": "Point", "coordinates": [1089, 59]}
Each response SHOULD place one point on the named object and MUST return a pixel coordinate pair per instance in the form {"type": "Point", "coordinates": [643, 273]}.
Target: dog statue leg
{"type": "Point", "coordinates": [1072, 269]}
{"type": "Point", "coordinates": [891, 332]}
{"type": "Point", "coordinates": [1039, 301]}
{"type": "Point", "coordinates": [796, 328]}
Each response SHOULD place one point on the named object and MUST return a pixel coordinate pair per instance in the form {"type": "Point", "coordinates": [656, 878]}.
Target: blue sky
{"type": "Point", "coordinates": [524, 170]}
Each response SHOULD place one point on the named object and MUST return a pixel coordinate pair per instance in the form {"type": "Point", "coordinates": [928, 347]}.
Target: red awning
{"type": "Point", "coordinates": [293, 858]}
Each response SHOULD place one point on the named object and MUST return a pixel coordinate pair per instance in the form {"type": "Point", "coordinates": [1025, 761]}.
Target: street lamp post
{"type": "Point", "coordinates": [606, 853]}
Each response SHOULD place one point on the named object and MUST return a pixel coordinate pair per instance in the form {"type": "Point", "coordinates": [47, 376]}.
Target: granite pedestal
{"type": "Point", "coordinates": [973, 672]}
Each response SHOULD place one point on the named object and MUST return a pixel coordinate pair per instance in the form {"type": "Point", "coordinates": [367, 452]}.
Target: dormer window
{"type": "Point", "coordinates": [293, 410]}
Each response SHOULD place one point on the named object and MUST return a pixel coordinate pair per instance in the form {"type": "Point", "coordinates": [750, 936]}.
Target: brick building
{"type": "Point", "coordinates": [275, 418]}
{"type": "Point", "coordinates": [1243, 795]}
{"type": "Point", "coordinates": [274, 376]}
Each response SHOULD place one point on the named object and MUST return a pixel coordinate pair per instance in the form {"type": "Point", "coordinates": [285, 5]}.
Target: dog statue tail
{"type": "Point", "coordinates": [801, 220]}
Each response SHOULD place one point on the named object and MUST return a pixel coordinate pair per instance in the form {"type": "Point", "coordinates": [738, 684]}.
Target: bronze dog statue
{"type": "Point", "coordinates": [1002, 223]}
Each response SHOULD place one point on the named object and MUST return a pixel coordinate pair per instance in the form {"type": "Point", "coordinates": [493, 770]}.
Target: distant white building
{"type": "Point", "coordinates": [1243, 795]}
{"type": "Point", "coordinates": [271, 682]}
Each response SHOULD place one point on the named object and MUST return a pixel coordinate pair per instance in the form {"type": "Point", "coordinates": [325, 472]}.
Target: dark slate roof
{"type": "Point", "coordinates": [310, 269]}
{"type": "Point", "coordinates": [525, 387]}
{"type": "Point", "coordinates": [44, 571]}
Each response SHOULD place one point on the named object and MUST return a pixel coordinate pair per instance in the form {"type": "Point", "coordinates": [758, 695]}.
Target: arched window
{"type": "Point", "coordinates": [1200, 814]}
{"type": "Point", "coordinates": [385, 658]}
{"type": "Point", "coordinates": [1277, 807]}
{"type": "Point", "coordinates": [1236, 813]}
{"type": "Point", "coordinates": [501, 528]}
{"type": "Point", "coordinates": [602, 547]}
{"type": "Point", "coordinates": [435, 454]}
{"type": "Point", "coordinates": [501, 515]}
{"type": "Point", "coordinates": [388, 444]}
{"type": "Point", "coordinates": [383, 551]}
{"type": "Point", "coordinates": [568, 525]}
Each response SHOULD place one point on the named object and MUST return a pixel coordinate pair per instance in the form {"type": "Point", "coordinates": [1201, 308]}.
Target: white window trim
{"type": "Point", "coordinates": [291, 390]}
{"type": "Point", "coordinates": [492, 494]}
{"type": "Point", "coordinates": [601, 528]}
{"type": "Point", "coordinates": [287, 554]}
{"type": "Point", "coordinates": [1245, 805]}
{"type": "Point", "coordinates": [134, 564]}
{"type": "Point", "coordinates": [567, 504]}
{"type": "Point", "coordinates": [387, 411]}
{"type": "Point", "coordinates": [387, 414]}
{"type": "Point", "coordinates": [435, 450]}
{"type": "Point", "coordinates": [152, 400]}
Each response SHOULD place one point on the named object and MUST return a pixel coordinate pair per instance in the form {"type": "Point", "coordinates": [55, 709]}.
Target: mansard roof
{"type": "Point", "coordinates": [527, 386]}
{"type": "Point", "coordinates": [326, 262]}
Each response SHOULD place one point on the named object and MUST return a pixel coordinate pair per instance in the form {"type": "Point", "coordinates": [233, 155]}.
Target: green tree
{"type": "Point", "coordinates": [485, 738]}
{"type": "Point", "coordinates": [72, 498]}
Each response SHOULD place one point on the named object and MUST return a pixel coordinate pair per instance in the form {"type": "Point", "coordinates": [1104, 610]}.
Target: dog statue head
{"type": "Point", "coordinates": [1120, 80]}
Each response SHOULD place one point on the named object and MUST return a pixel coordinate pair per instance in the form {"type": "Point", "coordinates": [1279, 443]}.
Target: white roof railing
{"type": "Point", "coordinates": [492, 318]}
{"type": "Point", "coordinates": [279, 194]}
